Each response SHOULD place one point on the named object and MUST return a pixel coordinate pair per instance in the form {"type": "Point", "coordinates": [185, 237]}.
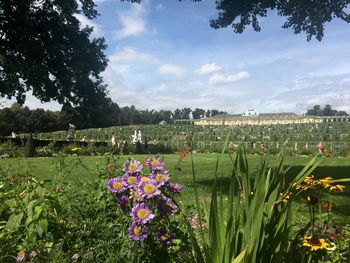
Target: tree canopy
{"type": "Point", "coordinates": [44, 50]}
{"type": "Point", "coordinates": [307, 16]}
{"type": "Point", "coordinates": [325, 111]}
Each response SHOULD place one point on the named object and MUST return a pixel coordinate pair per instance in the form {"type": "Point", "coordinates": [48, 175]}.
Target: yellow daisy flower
{"type": "Point", "coordinates": [315, 243]}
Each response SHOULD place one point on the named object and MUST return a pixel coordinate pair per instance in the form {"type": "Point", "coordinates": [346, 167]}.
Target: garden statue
{"type": "Point", "coordinates": [71, 132]}
{"type": "Point", "coordinates": [114, 142]}
{"type": "Point", "coordinates": [137, 137]}
{"type": "Point", "coordinates": [13, 135]}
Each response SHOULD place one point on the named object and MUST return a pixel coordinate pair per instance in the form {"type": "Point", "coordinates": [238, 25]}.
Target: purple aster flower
{"type": "Point", "coordinates": [132, 167]}
{"type": "Point", "coordinates": [136, 195]}
{"type": "Point", "coordinates": [160, 176]}
{"type": "Point", "coordinates": [138, 232]}
{"type": "Point", "coordinates": [131, 180]}
{"type": "Point", "coordinates": [34, 253]}
{"type": "Point", "coordinates": [175, 188]}
{"type": "Point", "coordinates": [165, 238]}
{"type": "Point", "coordinates": [142, 214]}
{"type": "Point", "coordinates": [149, 189]}
{"type": "Point", "coordinates": [115, 185]}
{"type": "Point", "coordinates": [20, 256]}
{"type": "Point", "coordinates": [155, 164]}
{"type": "Point", "coordinates": [166, 207]}
{"type": "Point", "coordinates": [122, 202]}
{"type": "Point", "coordinates": [144, 179]}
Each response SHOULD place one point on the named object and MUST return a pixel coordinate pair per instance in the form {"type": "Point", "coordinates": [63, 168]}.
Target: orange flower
{"type": "Point", "coordinates": [326, 206]}
{"type": "Point", "coordinates": [183, 154]}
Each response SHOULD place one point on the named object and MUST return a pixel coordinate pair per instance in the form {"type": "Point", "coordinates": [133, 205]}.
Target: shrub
{"type": "Point", "coordinates": [29, 148]}
{"type": "Point", "coordinates": [9, 149]}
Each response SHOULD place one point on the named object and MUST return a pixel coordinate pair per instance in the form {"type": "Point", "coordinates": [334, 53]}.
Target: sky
{"type": "Point", "coordinates": [163, 54]}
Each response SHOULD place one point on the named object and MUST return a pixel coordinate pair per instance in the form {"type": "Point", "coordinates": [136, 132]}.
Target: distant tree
{"type": "Point", "coordinates": [177, 114]}
{"type": "Point", "coordinates": [7, 123]}
{"type": "Point", "coordinates": [326, 111]}
{"type": "Point", "coordinates": [214, 113]}
{"type": "Point", "coordinates": [207, 114]}
{"type": "Point", "coordinates": [307, 16]}
{"type": "Point", "coordinates": [315, 111]}
{"type": "Point", "coordinates": [185, 113]}
{"type": "Point", "coordinates": [166, 115]}
{"type": "Point", "coordinates": [102, 113]}
{"type": "Point", "coordinates": [198, 113]}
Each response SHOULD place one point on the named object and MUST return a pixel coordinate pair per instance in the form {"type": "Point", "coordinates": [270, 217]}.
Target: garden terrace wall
{"type": "Point", "coordinates": [56, 143]}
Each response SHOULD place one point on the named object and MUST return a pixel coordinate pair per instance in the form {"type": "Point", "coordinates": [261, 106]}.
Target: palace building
{"type": "Point", "coordinates": [251, 117]}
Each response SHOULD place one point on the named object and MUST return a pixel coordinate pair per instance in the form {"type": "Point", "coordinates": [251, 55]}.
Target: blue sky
{"type": "Point", "coordinates": [164, 55]}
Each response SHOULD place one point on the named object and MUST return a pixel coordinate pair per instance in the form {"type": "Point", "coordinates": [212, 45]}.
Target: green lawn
{"type": "Point", "coordinates": [44, 168]}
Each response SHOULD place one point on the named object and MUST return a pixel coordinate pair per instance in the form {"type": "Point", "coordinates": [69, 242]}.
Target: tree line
{"type": "Point", "coordinates": [21, 119]}
{"type": "Point", "coordinates": [327, 110]}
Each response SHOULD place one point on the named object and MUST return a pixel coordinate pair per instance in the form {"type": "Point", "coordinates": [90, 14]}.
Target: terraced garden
{"type": "Point", "coordinates": [297, 138]}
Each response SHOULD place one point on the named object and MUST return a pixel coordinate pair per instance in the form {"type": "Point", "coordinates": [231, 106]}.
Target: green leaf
{"type": "Point", "coordinates": [43, 225]}
{"type": "Point", "coordinates": [14, 222]}
{"type": "Point", "coordinates": [240, 257]}
{"type": "Point", "coordinates": [37, 212]}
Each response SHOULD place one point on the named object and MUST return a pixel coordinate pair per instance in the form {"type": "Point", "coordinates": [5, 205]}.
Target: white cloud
{"type": "Point", "coordinates": [84, 21]}
{"type": "Point", "coordinates": [133, 22]}
{"type": "Point", "coordinates": [222, 79]}
{"type": "Point", "coordinates": [170, 69]}
{"type": "Point", "coordinates": [131, 56]}
{"type": "Point", "coordinates": [207, 69]}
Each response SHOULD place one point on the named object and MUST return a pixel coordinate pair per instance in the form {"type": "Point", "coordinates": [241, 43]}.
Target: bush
{"type": "Point", "coordinates": [9, 149]}
{"type": "Point", "coordinates": [29, 148]}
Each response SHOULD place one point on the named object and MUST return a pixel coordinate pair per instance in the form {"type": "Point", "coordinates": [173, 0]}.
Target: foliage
{"type": "Point", "coordinates": [21, 119]}
{"type": "Point", "coordinates": [45, 50]}
{"type": "Point", "coordinates": [253, 225]}
{"type": "Point", "coordinates": [302, 16]}
{"type": "Point", "coordinates": [9, 149]}
{"type": "Point", "coordinates": [325, 111]}
{"type": "Point", "coordinates": [29, 218]}
{"type": "Point", "coordinates": [29, 148]}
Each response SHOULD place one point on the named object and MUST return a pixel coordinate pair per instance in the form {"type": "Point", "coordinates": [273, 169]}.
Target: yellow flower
{"type": "Point", "coordinates": [326, 180]}
{"type": "Point", "coordinates": [75, 149]}
{"type": "Point", "coordinates": [286, 197]}
{"type": "Point", "coordinates": [311, 180]}
{"type": "Point", "coordinates": [303, 186]}
{"type": "Point", "coordinates": [315, 243]}
{"type": "Point", "coordinates": [337, 187]}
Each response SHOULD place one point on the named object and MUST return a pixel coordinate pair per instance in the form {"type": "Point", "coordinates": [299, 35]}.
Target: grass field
{"type": "Point", "coordinates": [204, 164]}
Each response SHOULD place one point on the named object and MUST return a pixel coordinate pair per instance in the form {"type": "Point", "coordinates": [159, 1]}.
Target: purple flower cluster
{"type": "Point", "coordinates": [147, 197]}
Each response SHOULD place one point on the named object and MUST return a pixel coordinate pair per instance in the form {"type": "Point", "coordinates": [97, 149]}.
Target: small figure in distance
{"type": "Point", "coordinates": [321, 146]}
{"type": "Point", "coordinates": [262, 148]}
